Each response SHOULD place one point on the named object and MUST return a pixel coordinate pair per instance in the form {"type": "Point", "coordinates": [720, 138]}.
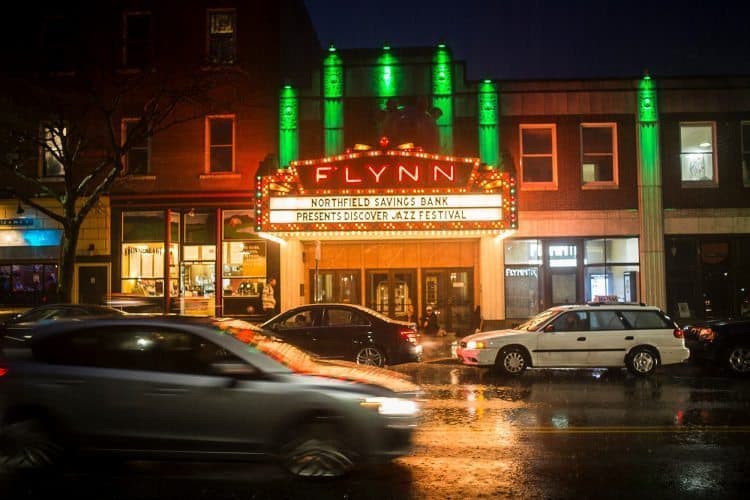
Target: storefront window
{"type": "Point", "coordinates": [523, 259]}
{"type": "Point", "coordinates": [143, 269]}
{"type": "Point", "coordinates": [28, 284]}
{"type": "Point", "coordinates": [244, 264]}
{"type": "Point", "coordinates": [611, 269]}
{"type": "Point", "coordinates": [143, 253]}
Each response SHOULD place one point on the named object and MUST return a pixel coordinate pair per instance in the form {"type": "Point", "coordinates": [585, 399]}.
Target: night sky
{"type": "Point", "coordinates": [535, 39]}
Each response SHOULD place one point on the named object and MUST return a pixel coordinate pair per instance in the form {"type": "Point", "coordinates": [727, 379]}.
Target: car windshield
{"type": "Point", "coordinates": [541, 318]}
{"type": "Point", "coordinates": [300, 361]}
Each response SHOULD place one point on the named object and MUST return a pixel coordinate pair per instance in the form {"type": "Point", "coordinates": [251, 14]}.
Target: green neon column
{"type": "Point", "coordinates": [650, 208]}
{"type": "Point", "coordinates": [442, 96]}
{"type": "Point", "coordinates": [288, 133]}
{"type": "Point", "coordinates": [386, 77]}
{"type": "Point", "coordinates": [333, 102]}
{"type": "Point", "coordinates": [489, 136]}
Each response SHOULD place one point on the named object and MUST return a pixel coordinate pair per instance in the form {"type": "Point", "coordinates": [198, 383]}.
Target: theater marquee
{"type": "Point", "coordinates": [387, 190]}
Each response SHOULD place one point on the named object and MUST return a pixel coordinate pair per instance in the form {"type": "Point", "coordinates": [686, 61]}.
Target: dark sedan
{"type": "Point", "coordinates": [195, 389]}
{"type": "Point", "coordinates": [349, 332]}
{"type": "Point", "coordinates": [19, 326]}
{"type": "Point", "coordinates": [724, 343]}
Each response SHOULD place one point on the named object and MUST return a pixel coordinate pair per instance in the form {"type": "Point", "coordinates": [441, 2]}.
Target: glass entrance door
{"type": "Point", "coordinates": [392, 292]}
{"type": "Point", "coordinates": [451, 293]}
{"type": "Point", "coordinates": [562, 284]}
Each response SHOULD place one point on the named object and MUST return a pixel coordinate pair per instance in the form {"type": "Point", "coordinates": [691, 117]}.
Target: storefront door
{"type": "Point", "coordinates": [392, 292]}
{"type": "Point", "coordinates": [450, 293]}
{"type": "Point", "coordinates": [92, 284]}
{"type": "Point", "coordinates": [562, 285]}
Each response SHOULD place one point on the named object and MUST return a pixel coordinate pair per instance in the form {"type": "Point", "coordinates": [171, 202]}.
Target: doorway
{"type": "Point", "coordinates": [563, 278]}
{"type": "Point", "coordinates": [450, 293]}
{"type": "Point", "coordinates": [93, 283]}
{"type": "Point", "coordinates": [392, 292]}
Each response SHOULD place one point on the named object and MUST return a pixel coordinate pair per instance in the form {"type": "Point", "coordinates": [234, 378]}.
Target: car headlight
{"type": "Point", "coordinates": [476, 344]}
{"type": "Point", "coordinates": [392, 406]}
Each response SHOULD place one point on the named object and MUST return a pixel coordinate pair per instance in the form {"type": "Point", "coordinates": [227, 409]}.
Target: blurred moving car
{"type": "Point", "coordinates": [198, 389]}
{"type": "Point", "coordinates": [638, 337]}
{"type": "Point", "coordinates": [722, 343]}
{"type": "Point", "coordinates": [348, 331]}
{"type": "Point", "coordinates": [19, 326]}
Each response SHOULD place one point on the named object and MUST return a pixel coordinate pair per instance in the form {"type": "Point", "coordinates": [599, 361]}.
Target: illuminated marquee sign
{"type": "Point", "coordinates": [384, 191]}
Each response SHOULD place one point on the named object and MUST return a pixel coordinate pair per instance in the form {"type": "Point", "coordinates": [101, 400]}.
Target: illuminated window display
{"type": "Point", "coordinates": [143, 253]}
{"type": "Point", "coordinates": [243, 264]}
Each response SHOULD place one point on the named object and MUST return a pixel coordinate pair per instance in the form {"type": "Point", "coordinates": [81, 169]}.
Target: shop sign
{"type": "Point", "coordinates": [17, 222]}
{"type": "Point", "coordinates": [386, 190]}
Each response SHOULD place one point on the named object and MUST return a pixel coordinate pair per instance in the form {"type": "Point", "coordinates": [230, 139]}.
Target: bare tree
{"type": "Point", "coordinates": [73, 123]}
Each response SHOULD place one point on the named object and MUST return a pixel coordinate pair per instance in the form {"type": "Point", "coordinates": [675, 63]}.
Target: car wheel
{"type": "Point", "coordinates": [511, 361]}
{"type": "Point", "coordinates": [642, 361]}
{"type": "Point", "coordinates": [28, 445]}
{"type": "Point", "coordinates": [316, 450]}
{"type": "Point", "coordinates": [370, 355]}
{"type": "Point", "coordinates": [738, 359]}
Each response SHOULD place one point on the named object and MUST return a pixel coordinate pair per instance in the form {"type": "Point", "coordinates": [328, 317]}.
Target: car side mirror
{"type": "Point", "coordinates": [549, 328]}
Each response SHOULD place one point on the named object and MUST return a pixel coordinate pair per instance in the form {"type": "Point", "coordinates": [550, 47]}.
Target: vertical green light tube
{"type": "Point", "coordinates": [333, 103]}
{"type": "Point", "coordinates": [288, 133]}
{"type": "Point", "coordinates": [489, 136]}
{"type": "Point", "coordinates": [386, 83]}
{"type": "Point", "coordinates": [650, 207]}
{"type": "Point", "coordinates": [442, 96]}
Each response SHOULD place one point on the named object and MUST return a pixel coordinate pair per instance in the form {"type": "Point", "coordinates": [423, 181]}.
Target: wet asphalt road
{"type": "Point", "coordinates": [683, 433]}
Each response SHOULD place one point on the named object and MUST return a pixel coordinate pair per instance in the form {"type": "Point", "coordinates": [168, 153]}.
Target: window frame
{"type": "Point", "coordinates": [710, 183]}
{"type": "Point", "coordinates": [614, 183]}
{"type": "Point", "coordinates": [148, 43]}
{"type": "Point", "coordinates": [209, 146]}
{"type": "Point", "coordinates": [210, 37]}
{"type": "Point", "coordinates": [46, 137]}
{"type": "Point", "coordinates": [147, 148]}
{"type": "Point", "coordinates": [533, 185]}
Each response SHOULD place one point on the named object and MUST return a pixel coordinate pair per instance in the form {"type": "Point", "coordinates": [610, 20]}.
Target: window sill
{"type": "Point", "coordinates": [221, 176]}
{"type": "Point", "coordinates": [594, 186]}
{"type": "Point", "coordinates": [539, 187]}
{"type": "Point", "coordinates": [699, 185]}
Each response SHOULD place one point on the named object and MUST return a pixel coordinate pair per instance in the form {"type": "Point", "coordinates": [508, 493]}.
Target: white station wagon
{"type": "Point", "coordinates": [638, 337]}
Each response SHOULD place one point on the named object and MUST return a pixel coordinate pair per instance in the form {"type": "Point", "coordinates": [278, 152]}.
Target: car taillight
{"type": "Point", "coordinates": [707, 334]}
{"type": "Point", "coordinates": [409, 335]}
{"type": "Point", "coordinates": [678, 333]}
{"type": "Point", "coordinates": [3, 370]}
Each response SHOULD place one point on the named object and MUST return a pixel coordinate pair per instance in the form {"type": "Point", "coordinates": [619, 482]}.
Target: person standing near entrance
{"type": "Point", "coordinates": [268, 298]}
{"type": "Point", "coordinates": [430, 324]}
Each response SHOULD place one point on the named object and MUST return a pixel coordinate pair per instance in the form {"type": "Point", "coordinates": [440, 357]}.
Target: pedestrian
{"type": "Point", "coordinates": [430, 324]}
{"type": "Point", "coordinates": [269, 298]}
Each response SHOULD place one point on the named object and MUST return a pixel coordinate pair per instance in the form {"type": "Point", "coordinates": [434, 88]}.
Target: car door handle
{"type": "Point", "coordinates": [581, 339]}
{"type": "Point", "coordinates": [629, 337]}
{"type": "Point", "coordinates": [68, 382]}
{"type": "Point", "coordinates": [166, 391]}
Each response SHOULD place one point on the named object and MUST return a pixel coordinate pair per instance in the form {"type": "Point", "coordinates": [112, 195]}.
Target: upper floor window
{"type": "Point", "coordinates": [599, 154]}
{"type": "Point", "coordinates": [52, 152]}
{"type": "Point", "coordinates": [138, 155]}
{"type": "Point", "coordinates": [59, 39]}
{"type": "Point", "coordinates": [220, 143]}
{"type": "Point", "coordinates": [222, 39]}
{"type": "Point", "coordinates": [746, 154]}
{"type": "Point", "coordinates": [697, 156]}
{"type": "Point", "coordinates": [538, 156]}
{"type": "Point", "coordinates": [136, 34]}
